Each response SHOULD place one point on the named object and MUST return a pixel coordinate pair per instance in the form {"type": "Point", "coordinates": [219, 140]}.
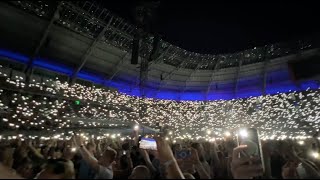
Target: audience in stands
{"type": "Point", "coordinates": [53, 152]}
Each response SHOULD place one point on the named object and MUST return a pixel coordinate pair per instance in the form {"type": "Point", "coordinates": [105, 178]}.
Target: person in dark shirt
{"type": "Point", "coordinates": [276, 165]}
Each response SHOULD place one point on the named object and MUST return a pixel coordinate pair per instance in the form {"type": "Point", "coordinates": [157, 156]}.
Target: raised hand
{"type": "Point", "coordinates": [243, 168]}
{"type": "Point", "coordinates": [77, 140]}
{"type": "Point", "coordinates": [194, 158]}
{"type": "Point", "coordinates": [164, 150]}
{"type": "Point", "coordinates": [167, 159]}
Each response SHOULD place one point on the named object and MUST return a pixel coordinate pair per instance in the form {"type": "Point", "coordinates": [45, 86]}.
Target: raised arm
{"type": "Point", "coordinates": [243, 168]}
{"type": "Point", "coordinates": [215, 161]}
{"type": "Point", "coordinates": [35, 151]}
{"type": "Point", "coordinates": [86, 155]}
{"type": "Point", "coordinates": [199, 166]}
{"type": "Point", "coordinates": [98, 149]}
{"type": "Point", "coordinates": [168, 161]}
{"type": "Point", "coordinates": [146, 158]}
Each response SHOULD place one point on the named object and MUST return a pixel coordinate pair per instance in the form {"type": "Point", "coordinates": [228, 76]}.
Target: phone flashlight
{"type": "Point", "coordinates": [315, 155]}
{"type": "Point", "coordinates": [136, 127]}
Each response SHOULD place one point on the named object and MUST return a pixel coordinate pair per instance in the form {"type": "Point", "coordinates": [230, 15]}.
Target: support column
{"type": "Point", "coordinates": [159, 58]}
{"type": "Point", "coordinates": [211, 79]}
{"type": "Point", "coordinates": [164, 82]}
{"type": "Point", "coordinates": [117, 67]}
{"type": "Point", "coordinates": [265, 70]}
{"type": "Point", "coordinates": [89, 51]}
{"type": "Point", "coordinates": [265, 75]}
{"type": "Point", "coordinates": [237, 78]}
{"type": "Point", "coordinates": [43, 39]}
{"type": "Point", "coordinates": [191, 75]}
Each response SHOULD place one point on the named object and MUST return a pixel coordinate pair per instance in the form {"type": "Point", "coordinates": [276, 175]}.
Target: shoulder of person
{"type": "Point", "coordinates": [105, 170]}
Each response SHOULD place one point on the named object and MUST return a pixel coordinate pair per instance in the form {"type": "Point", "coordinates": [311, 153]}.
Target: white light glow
{"type": "Point", "coordinates": [227, 134]}
{"type": "Point", "coordinates": [315, 154]}
{"type": "Point", "coordinates": [301, 142]}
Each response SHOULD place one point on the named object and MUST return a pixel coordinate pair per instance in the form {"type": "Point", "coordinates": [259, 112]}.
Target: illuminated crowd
{"type": "Point", "coordinates": [46, 123]}
{"type": "Point", "coordinates": [51, 105]}
{"type": "Point", "coordinates": [52, 129]}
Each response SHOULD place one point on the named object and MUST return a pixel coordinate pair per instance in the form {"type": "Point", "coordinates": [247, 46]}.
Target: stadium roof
{"type": "Point", "coordinates": [225, 26]}
{"type": "Point", "coordinates": [83, 33]}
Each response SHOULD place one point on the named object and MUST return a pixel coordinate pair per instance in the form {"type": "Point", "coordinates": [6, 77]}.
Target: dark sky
{"type": "Point", "coordinates": [221, 27]}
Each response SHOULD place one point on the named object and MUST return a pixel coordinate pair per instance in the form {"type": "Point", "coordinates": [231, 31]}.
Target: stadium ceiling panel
{"type": "Point", "coordinates": [81, 23]}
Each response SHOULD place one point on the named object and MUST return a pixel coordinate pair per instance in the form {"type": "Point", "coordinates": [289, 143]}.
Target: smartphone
{"type": "Point", "coordinates": [148, 144]}
{"type": "Point", "coordinates": [251, 138]}
{"type": "Point", "coordinates": [183, 154]}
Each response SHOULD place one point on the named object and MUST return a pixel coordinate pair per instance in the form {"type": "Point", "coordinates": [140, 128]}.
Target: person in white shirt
{"type": "Point", "coordinates": [102, 166]}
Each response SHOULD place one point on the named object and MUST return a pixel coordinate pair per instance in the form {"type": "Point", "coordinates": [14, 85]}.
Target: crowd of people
{"type": "Point", "coordinates": [285, 115]}
{"type": "Point", "coordinates": [109, 158]}
{"type": "Point", "coordinates": [62, 149]}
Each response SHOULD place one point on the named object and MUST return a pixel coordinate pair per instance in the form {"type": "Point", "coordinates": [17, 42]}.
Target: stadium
{"type": "Point", "coordinates": [73, 65]}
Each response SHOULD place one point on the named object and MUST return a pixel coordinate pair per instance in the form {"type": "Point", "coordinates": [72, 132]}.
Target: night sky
{"type": "Point", "coordinates": [225, 27]}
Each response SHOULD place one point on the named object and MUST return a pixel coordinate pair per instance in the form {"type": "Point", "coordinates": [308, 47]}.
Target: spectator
{"type": "Point", "coordinates": [102, 166]}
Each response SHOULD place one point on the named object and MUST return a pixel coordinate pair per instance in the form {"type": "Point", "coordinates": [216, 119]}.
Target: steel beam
{"type": "Point", "coordinates": [117, 67]}
{"type": "Point", "coordinates": [89, 51]}
{"type": "Point", "coordinates": [143, 76]}
{"type": "Point", "coordinates": [42, 40]}
{"type": "Point", "coordinates": [158, 59]}
{"type": "Point", "coordinates": [164, 82]}
{"type": "Point", "coordinates": [265, 70]}
{"type": "Point", "coordinates": [191, 75]}
{"type": "Point", "coordinates": [265, 74]}
{"type": "Point", "coordinates": [212, 76]}
{"type": "Point", "coordinates": [237, 78]}
{"type": "Point", "coordinates": [98, 21]}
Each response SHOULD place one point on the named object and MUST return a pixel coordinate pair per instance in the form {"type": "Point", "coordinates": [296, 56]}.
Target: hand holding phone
{"type": "Point", "coordinates": [250, 138]}
{"type": "Point", "coordinates": [148, 144]}
{"type": "Point", "coordinates": [240, 165]}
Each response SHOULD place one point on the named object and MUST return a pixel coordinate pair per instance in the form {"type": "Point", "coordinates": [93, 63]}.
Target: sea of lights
{"type": "Point", "coordinates": [50, 106]}
{"type": "Point", "coordinates": [283, 85]}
